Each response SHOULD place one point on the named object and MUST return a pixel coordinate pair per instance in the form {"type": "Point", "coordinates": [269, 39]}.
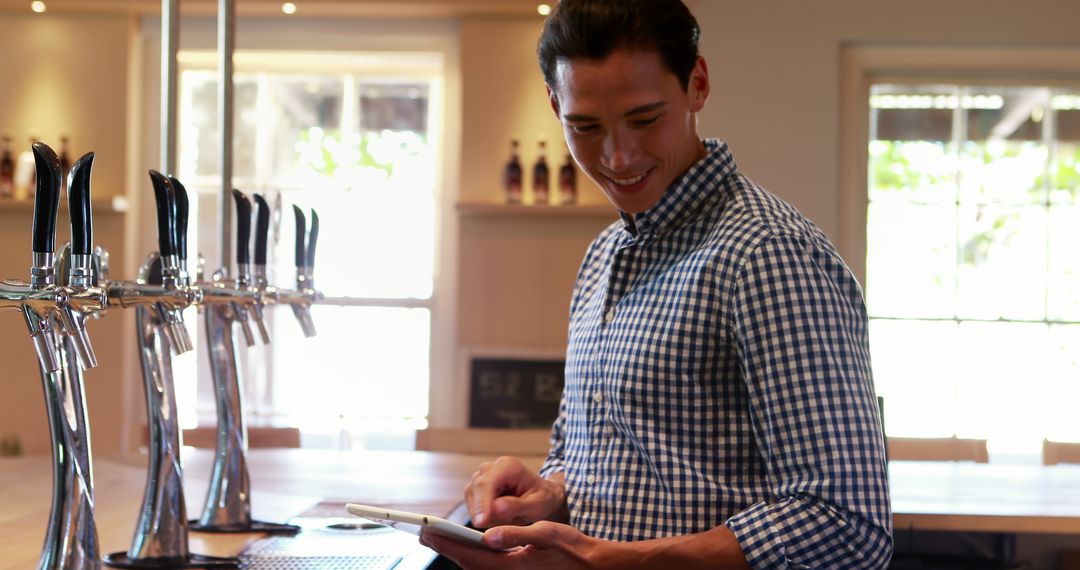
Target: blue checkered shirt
{"type": "Point", "coordinates": [718, 372]}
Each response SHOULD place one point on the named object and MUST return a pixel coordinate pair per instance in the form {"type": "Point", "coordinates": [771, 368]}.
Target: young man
{"type": "Point", "coordinates": [719, 410]}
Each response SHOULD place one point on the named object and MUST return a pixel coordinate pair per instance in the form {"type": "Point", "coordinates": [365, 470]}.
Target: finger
{"type": "Point", "coordinates": [508, 509]}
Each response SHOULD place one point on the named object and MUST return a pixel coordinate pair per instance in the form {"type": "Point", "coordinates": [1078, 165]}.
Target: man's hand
{"type": "Point", "coordinates": [540, 545]}
{"type": "Point", "coordinates": [506, 492]}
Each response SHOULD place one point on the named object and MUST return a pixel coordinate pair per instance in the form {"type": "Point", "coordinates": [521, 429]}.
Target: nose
{"type": "Point", "coordinates": [620, 150]}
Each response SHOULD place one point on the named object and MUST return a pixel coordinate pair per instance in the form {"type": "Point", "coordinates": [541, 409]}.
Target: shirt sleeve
{"type": "Point", "coordinates": [800, 328]}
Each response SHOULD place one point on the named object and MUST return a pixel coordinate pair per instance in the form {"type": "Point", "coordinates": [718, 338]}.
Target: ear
{"type": "Point", "coordinates": [554, 101]}
{"type": "Point", "coordinates": [698, 87]}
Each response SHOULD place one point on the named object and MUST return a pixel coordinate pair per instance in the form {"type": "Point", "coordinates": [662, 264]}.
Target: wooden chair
{"type": "Point", "coordinates": [937, 449]}
{"type": "Point", "coordinates": [257, 437]}
{"type": "Point", "coordinates": [1054, 452]}
{"type": "Point", "coordinates": [484, 441]}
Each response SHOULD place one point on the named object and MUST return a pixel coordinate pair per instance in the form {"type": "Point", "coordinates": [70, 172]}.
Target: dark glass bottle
{"type": "Point", "coordinates": [7, 170]}
{"type": "Point", "coordinates": [512, 175]}
{"type": "Point", "coordinates": [568, 182]}
{"type": "Point", "coordinates": [541, 185]}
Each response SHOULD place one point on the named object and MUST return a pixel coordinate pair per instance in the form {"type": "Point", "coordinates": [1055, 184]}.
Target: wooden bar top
{"type": "Point", "coordinates": [287, 482]}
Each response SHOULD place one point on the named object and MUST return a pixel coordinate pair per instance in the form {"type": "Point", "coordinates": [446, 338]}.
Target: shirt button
{"type": "Point", "coordinates": [597, 396]}
{"type": "Point", "coordinates": [609, 316]}
{"type": "Point", "coordinates": [590, 479]}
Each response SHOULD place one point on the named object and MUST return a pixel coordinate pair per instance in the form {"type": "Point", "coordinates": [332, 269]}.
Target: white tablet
{"type": "Point", "coordinates": [413, 522]}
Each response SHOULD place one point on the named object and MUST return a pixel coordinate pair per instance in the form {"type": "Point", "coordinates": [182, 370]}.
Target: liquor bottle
{"type": "Point", "coordinates": [512, 175]}
{"type": "Point", "coordinates": [7, 170]}
{"type": "Point", "coordinates": [65, 160]}
{"type": "Point", "coordinates": [568, 182]}
{"type": "Point", "coordinates": [541, 188]}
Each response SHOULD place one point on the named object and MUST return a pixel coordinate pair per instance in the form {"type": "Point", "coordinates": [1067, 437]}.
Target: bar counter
{"type": "Point", "coordinates": [285, 482]}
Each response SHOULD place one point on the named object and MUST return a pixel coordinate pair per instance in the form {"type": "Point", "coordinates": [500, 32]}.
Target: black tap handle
{"type": "Point", "coordinates": [47, 198]}
{"type": "Point", "coordinates": [301, 232]}
{"type": "Point", "coordinates": [166, 213]}
{"type": "Point", "coordinates": [82, 220]}
{"type": "Point", "coordinates": [243, 227]}
{"type": "Point", "coordinates": [262, 229]}
{"type": "Point", "coordinates": [312, 240]}
{"type": "Point", "coordinates": [181, 196]}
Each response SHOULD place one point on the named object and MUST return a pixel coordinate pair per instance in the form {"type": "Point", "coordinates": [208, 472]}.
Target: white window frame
{"type": "Point", "coordinates": [863, 66]}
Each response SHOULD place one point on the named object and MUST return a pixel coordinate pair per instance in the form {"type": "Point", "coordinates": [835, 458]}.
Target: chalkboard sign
{"type": "Point", "coordinates": [514, 392]}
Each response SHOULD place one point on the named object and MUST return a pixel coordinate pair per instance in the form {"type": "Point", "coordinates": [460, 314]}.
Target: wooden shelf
{"type": "Point", "coordinates": [479, 209]}
{"type": "Point", "coordinates": [108, 205]}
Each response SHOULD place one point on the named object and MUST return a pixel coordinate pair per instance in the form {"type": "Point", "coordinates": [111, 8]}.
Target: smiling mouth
{"type": "Point", "coordinates": [629, 181]}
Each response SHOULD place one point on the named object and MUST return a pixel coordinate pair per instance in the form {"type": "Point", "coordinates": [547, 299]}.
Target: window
{"type": "Point", "coordinates": [972, 275]}
{"type": "Point", "coordinates": [354, 136]}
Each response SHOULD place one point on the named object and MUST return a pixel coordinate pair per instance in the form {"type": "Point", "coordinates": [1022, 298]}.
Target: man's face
{"type": "Point", "coordinates": [629, 123]}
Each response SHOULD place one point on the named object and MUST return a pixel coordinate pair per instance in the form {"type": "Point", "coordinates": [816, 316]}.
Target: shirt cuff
{"type": "Point", "coordinates": [551, 465]}
{"type": "Point", "coordinates": [758, 538]}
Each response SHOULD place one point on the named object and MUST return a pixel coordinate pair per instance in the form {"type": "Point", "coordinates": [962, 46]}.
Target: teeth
{"type": "Point", "coordinates": [629, 181]}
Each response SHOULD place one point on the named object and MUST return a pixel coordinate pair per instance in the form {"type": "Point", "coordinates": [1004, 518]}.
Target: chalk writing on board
{"type": "Point", "coordinates": [514, 392]}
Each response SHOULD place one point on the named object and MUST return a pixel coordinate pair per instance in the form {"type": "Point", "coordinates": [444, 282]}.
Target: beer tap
{"type": "Point", "coordinates": [170, 312]}
{"type": "Point", "coordinates": [36, 308]}
{"type": "Point", "coordinates": [84, 297]}
{"type": "Point", "coordinates": [243, 267]}
{"type": "Point", "coordinates": [262, 231]}
{"type": "Point", "coordinates": [305, 281]}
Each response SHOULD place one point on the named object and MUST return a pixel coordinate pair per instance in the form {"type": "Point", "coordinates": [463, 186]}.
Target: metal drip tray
{"type": "Point", "coordinates": [335, 543]}
{"type": "Point", "coordinates": [320, 563]}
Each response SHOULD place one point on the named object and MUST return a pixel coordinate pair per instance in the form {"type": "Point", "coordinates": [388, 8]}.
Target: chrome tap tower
{"type": "Point", "coordinates": [55, 315]}
{"type": "Point", "coordinates": [159, 295]}
{"type": "Point", "coordinates": [239, 301]}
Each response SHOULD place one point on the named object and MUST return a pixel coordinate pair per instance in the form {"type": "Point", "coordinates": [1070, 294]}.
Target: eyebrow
{"type": "Point", "coordinates": [578, 118]}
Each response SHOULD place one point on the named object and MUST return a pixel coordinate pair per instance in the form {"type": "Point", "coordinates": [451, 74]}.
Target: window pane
{"type": "Point", "coordinates": [916, 371]}
{"type": "Point", "coordinates": [1004, 158]}
{"type": "Point", "coordinates": [1065, 170]}
{"type": "Point", "coordinates": [1002, 270]}
{"type": "Point", "coordinates": [1063, 271]}
{"type": "Point", "coordinates": [1002, 388]}
{"type": "Point", "coordinates": [200, 142]}
{"type": "Point", "coordinates": [913, 171]}
{"type": "Point", "coordinates": [1063, 386]}
{"type": "Point", "coordinates": [911, 265]}
{"type": "Point", "coordinates": [366, 364]}
{"type": "Point", "coordinates": [373, 242]}
{"type": "Point", "coordinates": [912, 156]}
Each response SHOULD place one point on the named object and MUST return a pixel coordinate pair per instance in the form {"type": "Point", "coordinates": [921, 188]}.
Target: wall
{"type": "Point", "coordinates": [64, 75]}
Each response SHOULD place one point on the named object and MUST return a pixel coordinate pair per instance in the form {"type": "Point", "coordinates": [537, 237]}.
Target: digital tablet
{"type": "Point", "coordinates": [413, 522]}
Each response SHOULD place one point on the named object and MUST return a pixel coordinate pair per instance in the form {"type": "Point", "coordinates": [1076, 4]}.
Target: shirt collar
{"type": "Point", "coordinates": [684, 199]}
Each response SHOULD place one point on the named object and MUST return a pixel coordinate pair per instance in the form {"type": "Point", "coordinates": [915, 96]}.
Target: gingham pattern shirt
{"type": "Point", "coordinates": [718, 372]}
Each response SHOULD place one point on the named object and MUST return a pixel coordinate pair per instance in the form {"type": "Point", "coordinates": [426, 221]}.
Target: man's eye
{"type": "Point", "coordinates": [645, 122]}
{"type": "Point", "coordinates": [582, 129]}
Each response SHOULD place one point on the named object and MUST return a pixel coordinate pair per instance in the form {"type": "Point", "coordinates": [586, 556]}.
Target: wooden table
{"type": "Point", "coordinates": [983, 497]}
{"type": "Point", "coordinates": [926, 495]}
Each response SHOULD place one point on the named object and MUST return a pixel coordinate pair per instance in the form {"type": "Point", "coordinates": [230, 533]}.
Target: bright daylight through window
{"type": "Point", "coordinates": [973, 276]}
{"type": "Point", "coordinates": [359, 143]}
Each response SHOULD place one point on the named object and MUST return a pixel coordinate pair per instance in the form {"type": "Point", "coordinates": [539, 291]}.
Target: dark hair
{"type": "Point", "coordinates": [593, 29]}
